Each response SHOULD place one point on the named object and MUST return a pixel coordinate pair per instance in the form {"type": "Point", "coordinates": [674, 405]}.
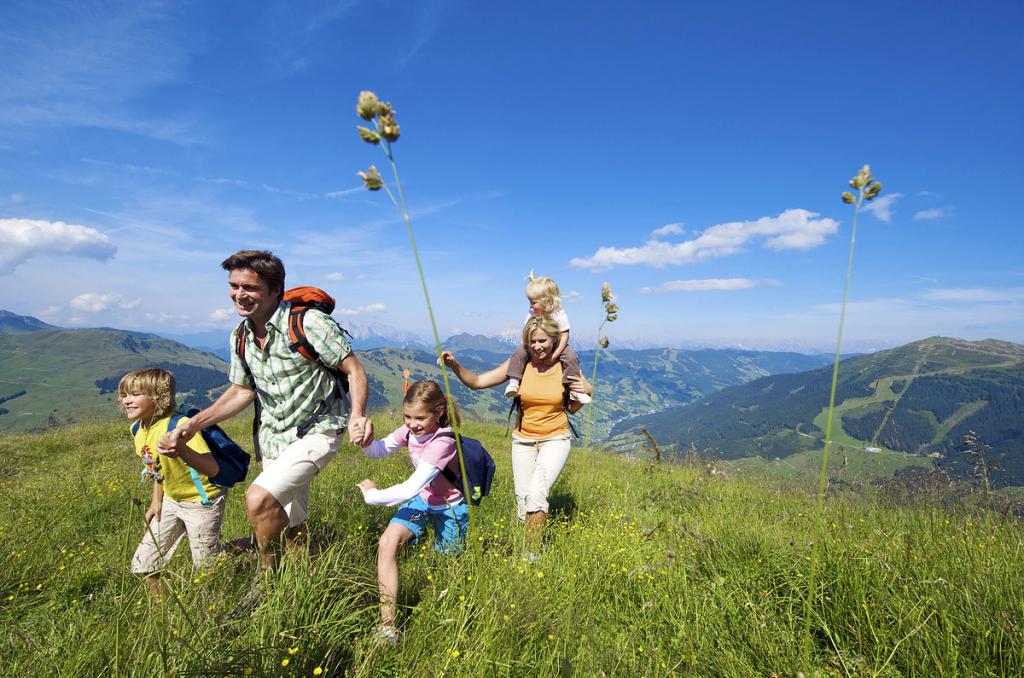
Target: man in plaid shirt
{"type": "Point", "coordinates": [289, 387]}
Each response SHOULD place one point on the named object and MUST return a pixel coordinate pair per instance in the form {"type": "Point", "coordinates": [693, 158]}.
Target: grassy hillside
{"type": "Point", "coordinates": [63, 376]}
{"type": "Point", "coordinates": [649, 570]}
{"type": "Point", "coordinates": [920, 398]}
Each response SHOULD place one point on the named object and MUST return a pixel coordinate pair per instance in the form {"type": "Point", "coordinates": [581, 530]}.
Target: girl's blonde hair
{"type": "Point", "coordinates": [429, 393]}
{"type": "Point", "coordinates": [545, 324]}
{"type": "Point", "coordinates": [545, 290]}
{"type": "Point", "coordinates": [156, 383]}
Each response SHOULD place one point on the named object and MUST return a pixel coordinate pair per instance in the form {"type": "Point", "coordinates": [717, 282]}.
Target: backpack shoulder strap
{"type": "Point", "coordinates": [136, 425]}
{"type": "Point", "coordinates": [297, 340]}
{"type": "Point", "coordinates": [196, 480]}
{"type": "Point", "coordinates": [566, 395]}
{"type": "Point", "coordinates": [447, 471]}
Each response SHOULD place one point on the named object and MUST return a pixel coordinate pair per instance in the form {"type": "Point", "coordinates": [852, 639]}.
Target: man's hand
{"type": "Point", "coordinates": [169, 442]}
{"type": "Point", "coordinates": [360, 431]}
{"type": "Point", "coordinates": [367, 485]}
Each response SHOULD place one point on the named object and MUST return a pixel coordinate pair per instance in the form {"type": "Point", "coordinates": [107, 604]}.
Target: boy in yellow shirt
{"type": "Point", "coordinates": [184, 501]}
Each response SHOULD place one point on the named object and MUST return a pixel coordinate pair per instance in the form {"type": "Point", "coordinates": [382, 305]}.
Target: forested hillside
{"type": "Point", "coordinates": [921, 398]}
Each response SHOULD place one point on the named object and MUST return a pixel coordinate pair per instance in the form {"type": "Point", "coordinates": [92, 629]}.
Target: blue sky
{"type": "Point", "coordinates": [691, 154]}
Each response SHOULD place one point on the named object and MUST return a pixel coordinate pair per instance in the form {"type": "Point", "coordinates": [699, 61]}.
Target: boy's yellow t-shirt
{"type": "Point", "coordinates": [540, 394]}
{"type": "Point", "coordinates": [178, 482]}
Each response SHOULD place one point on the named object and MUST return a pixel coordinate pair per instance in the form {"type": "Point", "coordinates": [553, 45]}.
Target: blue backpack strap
{"type": "Point", "coordinates": [196, 480]}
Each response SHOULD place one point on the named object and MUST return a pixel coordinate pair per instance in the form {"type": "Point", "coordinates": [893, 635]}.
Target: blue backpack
{"type": "Point", "coordinates": [479, 468]}
{"type": "Point", "coordinates": [232, 459]}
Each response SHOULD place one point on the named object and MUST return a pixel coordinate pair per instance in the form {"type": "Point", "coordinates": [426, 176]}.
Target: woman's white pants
{"type": "Point", "coordinates": [535, 468]}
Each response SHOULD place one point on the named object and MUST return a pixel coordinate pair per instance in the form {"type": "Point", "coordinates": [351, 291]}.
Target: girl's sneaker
{"type": "Point", "coordinates": [386, 635]}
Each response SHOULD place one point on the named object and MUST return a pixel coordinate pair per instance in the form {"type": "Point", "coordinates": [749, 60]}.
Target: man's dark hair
{"type": "Point", "coordinates": [265, 264]}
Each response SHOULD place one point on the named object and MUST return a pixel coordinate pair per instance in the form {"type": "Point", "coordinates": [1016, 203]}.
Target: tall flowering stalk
{"type": "Point", "coordinates": [384, 133]}
{"type": "Point", "coordinates": [867, 188]}
{"type": "Point", "coordinates": [611, 313]}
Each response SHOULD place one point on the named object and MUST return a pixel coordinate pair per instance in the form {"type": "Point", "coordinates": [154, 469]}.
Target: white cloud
{"type": "Point", "coordinates": [23, 239]}
{"type": "Point", "coordinates": [667, 229]}
{"type": "Point", "coordinates": [362, 310]}
{"type": "Point", "coordinates": [882, 207]}
{"type": "Point", "coordinates": [572, 297]}
{"type": "Point", "coordinates": [335, 277]}
{"type": "Point", "coordinates": [94, 302]}
{"type": "Point", "coordinates": [975, 294]}
{"type": "Point", "coordinates": [709, 284]}
{"type": "Point", "coordinates": [222, 314]}
{"type": "Point", "coordinates": [17, 198]}
{"type": "Point", "coordinates": [793, 229]}
{"type": "Point", "coordinates": [934, 213]}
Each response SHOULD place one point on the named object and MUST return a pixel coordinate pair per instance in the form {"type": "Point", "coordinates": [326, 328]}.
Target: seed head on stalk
{"type": "Point", "coordinates": [866, 187]}
{"type": "Point", "coordinates": [384, 133]}
{"type": "Point", "coordinates": [611, 314]}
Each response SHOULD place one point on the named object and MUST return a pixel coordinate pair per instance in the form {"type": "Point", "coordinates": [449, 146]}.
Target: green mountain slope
{"type": "Point", "coordinates": [919, 398]}
{"type": "Point", "coordinates": [12, 323]}
{"type": "Point", "coordinates": [60, 376]}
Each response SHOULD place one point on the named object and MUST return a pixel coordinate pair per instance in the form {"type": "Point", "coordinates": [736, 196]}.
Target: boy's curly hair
{"type": "Point", "coordinates": [154, 382]}
{"type": "Point", "coordinates": [545, 290]}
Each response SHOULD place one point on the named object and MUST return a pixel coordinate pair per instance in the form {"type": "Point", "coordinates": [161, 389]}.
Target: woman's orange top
{"type": "Point", "coordinates": [541, 396]}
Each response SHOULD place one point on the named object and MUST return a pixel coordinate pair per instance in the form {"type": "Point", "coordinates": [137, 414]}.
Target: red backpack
{"type": "Point", "coordinates": [301, 299]}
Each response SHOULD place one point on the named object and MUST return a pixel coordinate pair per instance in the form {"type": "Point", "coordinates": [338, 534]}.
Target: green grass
{"type": "Point", "coordinates": [649, 570]}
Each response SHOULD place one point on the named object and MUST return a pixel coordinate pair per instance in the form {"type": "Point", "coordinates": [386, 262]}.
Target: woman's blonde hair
{"type": "Point", "coordinates": [545, 324]}
{"type": "Point", "coordinates": [153, 382]}
{"type": "Point", "coordinates": [429, 393]}
{"type": "Point", "coordinates": [545, 290]}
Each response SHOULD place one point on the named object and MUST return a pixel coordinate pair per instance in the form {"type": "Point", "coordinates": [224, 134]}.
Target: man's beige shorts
{"type": "Point", "coordinates": [177, 519]}
{"type": "Point", "coordinates": [288, 476]}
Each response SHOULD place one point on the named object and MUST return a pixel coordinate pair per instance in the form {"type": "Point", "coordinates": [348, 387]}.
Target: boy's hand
{"type": "Point", "coordinates": [153, 512]}
{"type": "Point", "coordinates": [367, 485]}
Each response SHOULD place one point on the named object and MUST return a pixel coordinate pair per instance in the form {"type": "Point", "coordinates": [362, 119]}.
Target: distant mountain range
{"type": "Point", "coordinates": [920, 398]}
{"type": "Point", "coordinates": [61, 375]}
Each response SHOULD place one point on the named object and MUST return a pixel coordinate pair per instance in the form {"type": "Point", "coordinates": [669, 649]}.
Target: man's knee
{"type": "Point", "coordinates": [259, 502]}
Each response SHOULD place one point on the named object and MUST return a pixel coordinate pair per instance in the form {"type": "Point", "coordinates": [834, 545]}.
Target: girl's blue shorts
{"type": "Point", "coordinates": [450, 523]}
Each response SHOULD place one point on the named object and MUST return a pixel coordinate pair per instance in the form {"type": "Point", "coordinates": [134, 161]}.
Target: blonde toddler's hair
{"type": "Point", "coordinates": [157, 384]}
{"type": "Point", "coordinates": [545, 290]}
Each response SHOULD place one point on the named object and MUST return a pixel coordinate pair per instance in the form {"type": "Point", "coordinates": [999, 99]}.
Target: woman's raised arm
{"type": "Point", "coordinates": [472, 379]}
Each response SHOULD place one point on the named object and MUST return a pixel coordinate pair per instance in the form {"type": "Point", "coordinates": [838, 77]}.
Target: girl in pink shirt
{"type": "Point", "coordinates": [430, 496]}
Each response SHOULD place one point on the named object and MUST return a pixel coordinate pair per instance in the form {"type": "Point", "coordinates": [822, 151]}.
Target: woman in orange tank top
{"type": "Point", "coordinates": [541, 440]}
